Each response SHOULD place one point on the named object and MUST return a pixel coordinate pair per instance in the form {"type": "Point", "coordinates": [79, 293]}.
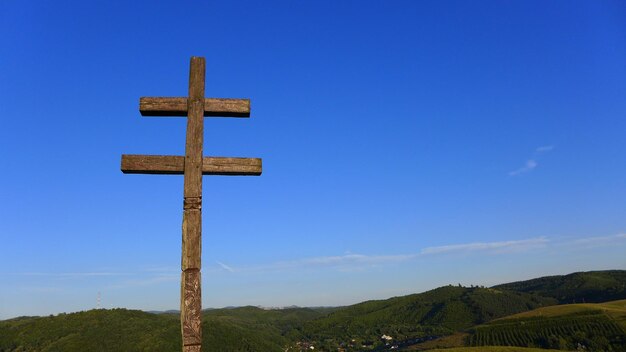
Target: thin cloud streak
{"type": "Point", "coordinates": [600, 240]}
{"type": "Point", "coordinates": [89, 274]}
{"type": "Point", "coordinates": [532, 163]}
{"type": "Point", "coordinates": [349, 262]}
{"type": "Point", "coordinates": [529, 166]}
{"type": "Point", "coordinates": [158, 279]}
{"type": "Point", "coordinates": [356, 258]}
{"type": "Point", "coordinates": [360, 261]}
{"type": "Point", "coordinates": [491, 247]}
{"type": "Point", "coordinates": [544, 149]}
{"type": "Point", "coordinates": [225, 267]}
{"type": "Point", "coordinates": [341, 262]}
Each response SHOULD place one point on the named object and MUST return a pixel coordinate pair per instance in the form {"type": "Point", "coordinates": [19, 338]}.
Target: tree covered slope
{"type": "Point", "coordinates": [581, 287]}
{"type": "Point", "coordinates": [240, 329]}
{"type": "Point", "coordinates": [436, 312]}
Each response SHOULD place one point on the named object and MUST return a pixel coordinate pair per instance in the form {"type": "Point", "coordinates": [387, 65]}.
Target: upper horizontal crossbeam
{"type": "Point", "coordinates": [175, 165]}
{"type": "Point", "coordinates": [177, 106]}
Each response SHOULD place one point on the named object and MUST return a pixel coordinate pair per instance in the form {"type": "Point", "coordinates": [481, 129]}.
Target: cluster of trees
{"type": "Point", "coordinates": [131, 330]}
{"type": "Point", "coordinates": [95, 330]}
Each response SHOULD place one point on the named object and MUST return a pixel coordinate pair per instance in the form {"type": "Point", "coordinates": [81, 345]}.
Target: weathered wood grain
{"type": "Point", "coordinates": [232, 166]}
{"type": "Point", "coordinates": [192, 238]}
{"type": "Point", "coordinates": [193, 151]}
{"type": "Point", "coordinates": [227, 107]}
{"type": "Point", "coordinates": [197, 74]}
{"type": "Point", "coordinates": [163, 106]}
{"type": "Point", "coordinates": [195, 129]}
{"type": "Point", "coordinates": [191, 307]}
{"type": "Point", "coordinates": [153, 164]}
{"type": "Point", "coordinates": [191, 303]}
{"type": "Point", "coordinates": [175, 165]}
{"type": "Point", "coordinates": [177, 106]}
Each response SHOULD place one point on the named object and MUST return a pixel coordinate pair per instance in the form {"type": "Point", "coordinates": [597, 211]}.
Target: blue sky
{"type": "Point", "coordinates": [405, 144]}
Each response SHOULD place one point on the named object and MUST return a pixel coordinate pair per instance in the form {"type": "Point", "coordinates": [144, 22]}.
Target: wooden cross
{"type": "Point", "coordinates": [193, 165]}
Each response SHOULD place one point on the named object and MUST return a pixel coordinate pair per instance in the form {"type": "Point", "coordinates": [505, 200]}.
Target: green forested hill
{"type": "Point", "coordinates": [130, 330]}
{"type": "Point", "coordinates": [96, 330]}
{"type": "Point", "coordinates": [581, 287]}
{"type": "Point", "coordinates": [279, 324]}
{"type": "Point", "coordinates": [433, 313]}
{"type": "Point", "coordinates": [436, 312]}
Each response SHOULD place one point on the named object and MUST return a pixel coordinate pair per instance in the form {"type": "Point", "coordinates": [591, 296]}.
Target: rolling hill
{"type": "Point", "coordinates": [581, 287]}
{"type": "Point", "coordinates": [596, 327]}
{"type": "Point", "coordinates": [237, 329]}
{"type": "Point", "coordinates": [486, 315]}
{"type": "Point", "coordinates": [437, 312]}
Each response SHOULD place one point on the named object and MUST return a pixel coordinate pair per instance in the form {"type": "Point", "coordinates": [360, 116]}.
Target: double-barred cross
{"type": "Point", "coordinates": [193, 165]}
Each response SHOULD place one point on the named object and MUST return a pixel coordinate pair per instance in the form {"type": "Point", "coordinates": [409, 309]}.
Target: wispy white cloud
{"type": "Point", "coordinates": [70, 274]}
{"type": "Point", "coordinates": [352, 262]}
{"type": "Point", "coordinates": [348, 262]}
{"type": "Point", "coordinates": [225, 267]}
{"type": "Point", "coordinates": [491, 247]}
{"type": "Point", "coordinates": [532, 163]}
{"type": "Point", "coordinates": [112, 280]}
{"type": "Point", "coordinates": [145, 281]}
{"type": "Point", "coordinates": [599, 240]}
{"type": "Point", "coordinates": [355, 258]}
{"type": "Point", "coordinates": [544, 149]}
{"type": "Point", "coordinates": [340, 262]}
{"type": "Point", "coordinates": [529, 166]}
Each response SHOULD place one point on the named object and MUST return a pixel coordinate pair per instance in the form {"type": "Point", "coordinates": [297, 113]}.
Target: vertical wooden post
{"type": "Point", "coordinates": [191, 297]}
{"type": "Point", "coordinates": [192, 165]}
